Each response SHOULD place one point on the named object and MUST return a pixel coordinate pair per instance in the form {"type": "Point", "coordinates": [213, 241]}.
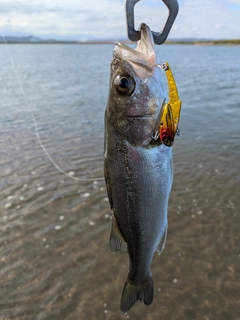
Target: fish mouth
{"type": "Point", "coordinates": [143, 58]}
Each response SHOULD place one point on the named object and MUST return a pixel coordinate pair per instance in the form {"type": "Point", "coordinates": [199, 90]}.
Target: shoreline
{"type": "Point", "coordinates": [170, 42]}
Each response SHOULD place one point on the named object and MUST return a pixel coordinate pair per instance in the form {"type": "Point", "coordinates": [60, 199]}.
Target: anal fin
{"type": "Point", "coordinates": [116, 241]}
{"type": "Point", "coordinates": [162, 243]}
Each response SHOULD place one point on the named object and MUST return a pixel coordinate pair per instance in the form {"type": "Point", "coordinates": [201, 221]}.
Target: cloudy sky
{"type": "Point", "coordinates": [105, 19]}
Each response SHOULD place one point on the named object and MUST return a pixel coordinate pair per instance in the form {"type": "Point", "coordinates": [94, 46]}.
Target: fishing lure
{"type": "Point", "coordinates": [171, 111]}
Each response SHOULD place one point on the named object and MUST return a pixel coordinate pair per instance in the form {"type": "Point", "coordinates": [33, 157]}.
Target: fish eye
{"type": "Point", "coordinates": [125, 84]}
{"type": "Point", "coordinates": [167, 142]}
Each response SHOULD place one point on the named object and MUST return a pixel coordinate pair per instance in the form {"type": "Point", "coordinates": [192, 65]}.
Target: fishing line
{"type": "Point", "coordinates": [35, 121]}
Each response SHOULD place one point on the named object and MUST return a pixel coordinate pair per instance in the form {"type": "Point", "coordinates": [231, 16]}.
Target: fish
{"type": "Point", "coordinates": [138, 168]}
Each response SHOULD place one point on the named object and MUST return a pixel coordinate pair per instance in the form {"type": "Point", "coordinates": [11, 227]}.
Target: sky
{"type": "Point", "coordinates": [105, 19]}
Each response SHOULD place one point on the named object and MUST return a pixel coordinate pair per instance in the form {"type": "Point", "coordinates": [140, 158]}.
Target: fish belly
{"type": "Point", "coordinates": [139, 182]}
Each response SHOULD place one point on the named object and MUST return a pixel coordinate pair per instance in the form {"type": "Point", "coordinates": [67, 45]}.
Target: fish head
{"type": "Point", "coordinates": [137, 90]}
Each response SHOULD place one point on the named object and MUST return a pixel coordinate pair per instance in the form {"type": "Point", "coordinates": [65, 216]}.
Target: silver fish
{"type": "Point", "coordinates": [138, 169]}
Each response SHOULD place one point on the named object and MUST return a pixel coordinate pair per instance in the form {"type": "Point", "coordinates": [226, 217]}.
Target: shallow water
{"type": "Point", "coordinates": [54, 257]}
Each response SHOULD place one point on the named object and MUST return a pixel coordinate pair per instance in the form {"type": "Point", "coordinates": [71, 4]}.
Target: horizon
{"type": "Point", "coordinates": [59, 38]}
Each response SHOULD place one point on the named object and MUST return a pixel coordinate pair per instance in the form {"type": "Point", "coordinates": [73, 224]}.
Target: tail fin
{"type": "Point", "coordinates": [132, 293]}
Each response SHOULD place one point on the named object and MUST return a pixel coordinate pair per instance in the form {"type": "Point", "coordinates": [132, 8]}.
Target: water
{"type": "Point", "coordinates": [54, 257]}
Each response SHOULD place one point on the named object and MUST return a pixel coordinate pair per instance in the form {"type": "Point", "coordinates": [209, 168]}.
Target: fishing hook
{"type": "Point", "coordinates": [159, 37]}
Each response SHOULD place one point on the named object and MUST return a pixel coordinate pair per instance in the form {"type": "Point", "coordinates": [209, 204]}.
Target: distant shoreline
{"type": "Point", "coordinates": [207, 42]}
{"type": "Point", "coordinates": [170, 42]}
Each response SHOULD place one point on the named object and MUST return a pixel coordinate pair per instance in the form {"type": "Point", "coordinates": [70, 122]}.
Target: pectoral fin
{"type": "Point", "coordinates": [117, 242]}
{"type": "Point", "coordinates": [162, 243]}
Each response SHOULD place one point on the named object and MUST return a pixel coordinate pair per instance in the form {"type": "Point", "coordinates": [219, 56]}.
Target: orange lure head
{"type": "Point", "coordinates": [167, 130]}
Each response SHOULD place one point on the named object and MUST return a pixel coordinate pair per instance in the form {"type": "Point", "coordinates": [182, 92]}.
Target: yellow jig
{"type": "Point", "coordinates": [171, 111]}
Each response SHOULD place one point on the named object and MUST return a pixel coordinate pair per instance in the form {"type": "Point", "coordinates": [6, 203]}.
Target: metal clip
{"type": "Point", "coordinates": [159, 37]}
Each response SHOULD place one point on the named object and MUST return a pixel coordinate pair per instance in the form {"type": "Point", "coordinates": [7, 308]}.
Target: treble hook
{"type": "Point", "coordinates": [159, 37]}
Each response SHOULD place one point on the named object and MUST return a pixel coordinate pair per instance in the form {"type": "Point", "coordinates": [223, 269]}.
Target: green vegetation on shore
{"type": "Point", "coordinates": [207, 42]}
